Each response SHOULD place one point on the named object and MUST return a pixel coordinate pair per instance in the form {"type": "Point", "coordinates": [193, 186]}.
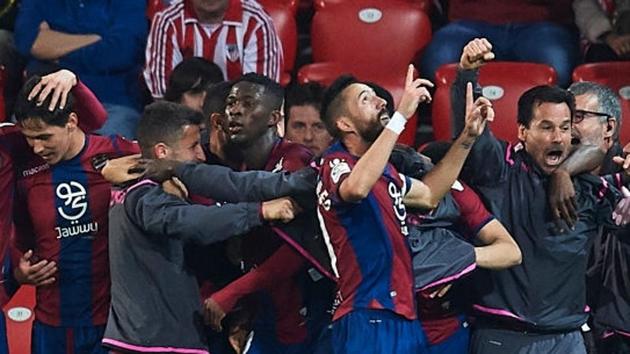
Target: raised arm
{"type": "Point", "coordinates": [487, 160]}
{"type": "Point", "coordinates": [92, 114]}
{"type": "Point", "coordinates": [370, 166]}
{"type": "Point", "coordinates": [435, 184]}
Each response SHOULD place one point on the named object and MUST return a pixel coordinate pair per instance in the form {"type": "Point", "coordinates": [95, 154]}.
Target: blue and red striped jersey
{"type": "Point", "coordinates": [68, 205]}
{"type": "Point", "coordinates": [12, 146]}
{"type": "Point", "coordinates": [366, 239]}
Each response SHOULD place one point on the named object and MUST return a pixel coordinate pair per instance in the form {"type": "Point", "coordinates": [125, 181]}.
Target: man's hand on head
{"type": "Point", "coordinates": [476, 53]}
{"type": "Point", "coordinates": [57, 85]}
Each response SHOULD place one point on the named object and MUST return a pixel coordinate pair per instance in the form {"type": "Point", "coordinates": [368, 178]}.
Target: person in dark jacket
{"type": "Point", "coordinates": [526, 309]}
{"type": "Point", "coordinates": [156, 303]}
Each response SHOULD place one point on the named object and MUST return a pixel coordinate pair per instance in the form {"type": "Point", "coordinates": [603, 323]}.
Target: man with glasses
{"type": "Point", "coordinates": [525, 309]}
{"type": "Point", "coordinates": [597, 122]}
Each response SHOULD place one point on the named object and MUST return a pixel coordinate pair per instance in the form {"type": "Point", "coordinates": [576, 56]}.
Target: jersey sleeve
{"type": "Point", "coordinates": [124, 146]}
{"type": "Point", "coordinates": [92, 114]}
{"type": "Point", "coordinates": [333, 171]}
{"type": "Point", "coordinates": [160, 214]}
{"type": "Point", "coordinates": [474, 214]}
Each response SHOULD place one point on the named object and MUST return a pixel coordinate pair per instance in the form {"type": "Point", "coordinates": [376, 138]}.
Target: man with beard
{"type": "Point", "coordinates": [525, 309]}
{"type": "Point", "coordinates": [275, 268]}
{"type": "Point", "coordinates": [362, 212]}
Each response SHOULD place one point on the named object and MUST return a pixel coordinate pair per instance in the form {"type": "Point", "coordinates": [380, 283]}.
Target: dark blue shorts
{"type": "Point", "coordinates": [457, 343]}
{"type": "Point", "coordinates": [377, 332]}
{"type": "Point", "coordinates": [67, 340]}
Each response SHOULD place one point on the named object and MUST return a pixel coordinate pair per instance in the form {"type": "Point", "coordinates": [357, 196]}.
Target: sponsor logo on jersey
{"type": "Point", "coordinates": [35, 170]}
{"type": "Point", "coordinates": [74, 197]}
{"type": "Point", "coordinates": [399, 206]}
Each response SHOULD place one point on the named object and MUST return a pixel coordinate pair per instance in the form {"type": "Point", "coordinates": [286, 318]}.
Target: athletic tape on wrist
{"type": "Point", "coordinates": [397, 123]}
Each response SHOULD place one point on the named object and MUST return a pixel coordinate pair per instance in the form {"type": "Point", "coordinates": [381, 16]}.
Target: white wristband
{"type": "Point", "coordinates": [397, 123]}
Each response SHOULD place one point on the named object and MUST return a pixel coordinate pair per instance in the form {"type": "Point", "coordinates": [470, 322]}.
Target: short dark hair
{"type": "Point", "coordinates": [310, 94]}
{"type": "Point", "coordinates": [163, 122]}
{"type": "Point", "coordinates": [273, 91]}
{"type": "Point", "coordinates": [332, 104]}
{"type": "Point", "coordinates": [192, 74]}
{"type": "Point", "coordinates": [25, 109]}
{"type": "Point", "coordinates": [409, 162]}
{"type": "Point", "coordinates": [215, 98]}
{"type": "Point", "coordinates": [539, 95]}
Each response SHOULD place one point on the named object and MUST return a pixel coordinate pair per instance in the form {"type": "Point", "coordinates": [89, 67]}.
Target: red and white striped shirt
{"type": "Point", "coordinates": [244, 42]}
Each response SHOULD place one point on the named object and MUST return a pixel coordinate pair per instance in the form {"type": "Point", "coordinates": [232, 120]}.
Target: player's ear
{"type": "Point", "coordinates": [160, 150]}
{"type": "Point", "coordinates": [73, 121]}
{"type": "Point", "coordinates": [344, 125]}
{"type": "Point", "coordinates": [522, 132]}
{"type": "Point", "coordinates": [275, 117]}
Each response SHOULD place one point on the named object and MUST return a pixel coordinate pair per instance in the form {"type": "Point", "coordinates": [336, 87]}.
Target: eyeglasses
{"type": "Point", "coordinates": [580, 115]}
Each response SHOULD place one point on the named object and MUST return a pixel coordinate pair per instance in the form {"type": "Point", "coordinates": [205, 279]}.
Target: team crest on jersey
{"type": "Point", "coordinates": [232, 52]}
{"type": "Point", "coordinates": [338, 168]}
{"type": "Point", "coordinates": [74, 206]}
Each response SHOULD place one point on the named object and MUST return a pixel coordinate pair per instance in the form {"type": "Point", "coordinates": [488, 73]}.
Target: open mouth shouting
{"type": "Point", "coordinates": [554, 156]}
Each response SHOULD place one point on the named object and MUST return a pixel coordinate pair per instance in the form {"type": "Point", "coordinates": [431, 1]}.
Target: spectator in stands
{"type": "Point", "coordinates": [605, 25]}
{"type": "Point", "coordinates": [237, 35]}
{"type": "Point", "coordinates": [303, 122]}
{"type": "Point", "coordinates": [9, 56]}
{"type": "Point", "coordinates": [189, 80]}
{"type": "Point", "coordinates": [101, 41]}
{"type": "Point", "coordinates": [532, 31]}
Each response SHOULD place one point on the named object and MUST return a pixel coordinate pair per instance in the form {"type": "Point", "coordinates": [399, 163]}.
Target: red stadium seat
{"type": "Point", "coordinates": [283, 17]}
{"type": "Point", "coordinates": [2, 83]}
{"type": "Point", "coordinates": [371, 39]}
{"type": "Point", "coordinates": [424, 5]}
{"type": "Point", "coordinates": [615, 75]}
{"type": "Point", "coordinates": [503, 83]}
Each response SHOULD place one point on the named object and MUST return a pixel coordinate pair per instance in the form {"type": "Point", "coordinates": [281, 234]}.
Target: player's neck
{"type": "Point", "coordinates": [355, 144]}
{"type": "Point", "coordinates": [77, 142]}
{"type": "Point", "coordinates": [257, 154]}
